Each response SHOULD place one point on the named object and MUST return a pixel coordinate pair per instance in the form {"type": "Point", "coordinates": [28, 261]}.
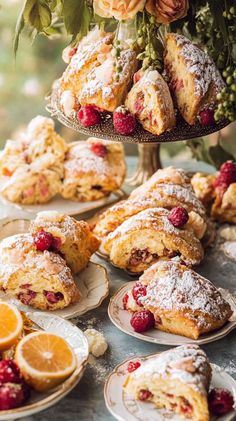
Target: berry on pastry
{"type": "Point", "coordinates": [178, 217]}
{"type": "Point", "coordinates": [124, 122]}
{"type": "Point", "coordinates": [177, 380]}
{"type": "Point", "coordinates": [132, 366]}
{"type": "Point", "coordinates": [88, 116]}
{"type": "Point", "coordinates": [150, 101]}
{"type": "Point", "coordinates": [93, 169]}
{"type": "Point", "coordinates": [220, 401]}
{"type": "Point", "coordinates": [37, 278]}
{"type": "Point", "coordinates": [181, 301]}
{"type": "Point", "coordinates": [148, 237]}
{"type": "Point", "coordinates": [62, 233]}
{"type": "Point", "coordinates": [194, 79]}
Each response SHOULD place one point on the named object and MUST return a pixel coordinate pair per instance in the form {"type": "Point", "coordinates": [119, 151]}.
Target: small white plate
{"type": "Point", "coordinates": [92, 282]}
{"type": "Point", "coordinates": [63, 205]}
{"type": "Point", "coordinates": [125, 408]}
{"type": "Point", "coordinates": [40, 401]}
{"type": "Point", "coordinates": [121, 319]}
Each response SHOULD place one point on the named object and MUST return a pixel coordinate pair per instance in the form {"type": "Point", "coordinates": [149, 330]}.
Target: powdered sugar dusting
{"type": "Point", "coordinates": [176, 287]}
{"type": "Point", "coordinates": [199, 64]}
{"type": "Point", "coordinates": [187, 363]}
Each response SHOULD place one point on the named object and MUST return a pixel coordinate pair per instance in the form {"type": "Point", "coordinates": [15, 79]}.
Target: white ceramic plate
{"type": "Point", "coordinates": [92, 282]}
{"type": "Point", "coordinates": [63, 205]}
{"type": "Point", "coordinates": [40, 401]}
{"type": "Point", "coordinates": [125, 408]}
{"type": "Point", "coordinates": [121, 319]}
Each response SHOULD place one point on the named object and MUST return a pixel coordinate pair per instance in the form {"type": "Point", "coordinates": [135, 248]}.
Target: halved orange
{"type": "Point", "coordinates": [45, 359]}
{"type": "Point", "coordinates": [11, 323]}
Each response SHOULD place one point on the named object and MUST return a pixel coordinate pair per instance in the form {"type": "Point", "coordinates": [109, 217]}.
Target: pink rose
{"type": "Point", "coordinates": [166, 11]}
{"type": "Point", "coordinates": [119, 9]}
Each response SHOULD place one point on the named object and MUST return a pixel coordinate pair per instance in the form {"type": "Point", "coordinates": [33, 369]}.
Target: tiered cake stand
{"type": "Point", "coordinates": [148, 144]}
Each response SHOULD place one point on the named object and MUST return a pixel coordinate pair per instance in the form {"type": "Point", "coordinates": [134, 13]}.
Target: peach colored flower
{"type": "Point", "coordinates": [167, 11]}
{"type": "Point", "coordinates": [119, 9]}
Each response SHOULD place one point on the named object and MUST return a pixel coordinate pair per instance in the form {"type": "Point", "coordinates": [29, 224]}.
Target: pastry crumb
{"type": "Point", "coordinates": [97, 342]}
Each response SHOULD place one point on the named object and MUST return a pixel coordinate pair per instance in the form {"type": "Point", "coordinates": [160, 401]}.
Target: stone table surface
{"type": "Point", "coordinates": [85, 402]}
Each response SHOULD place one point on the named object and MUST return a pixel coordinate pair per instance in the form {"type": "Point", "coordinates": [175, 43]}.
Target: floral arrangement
{"type": "Point", "coordinates": [210, 23]}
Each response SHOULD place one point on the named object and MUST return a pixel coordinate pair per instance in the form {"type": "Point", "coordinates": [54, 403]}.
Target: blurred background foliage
{"type": "Point", "coordinates": [26, 79]}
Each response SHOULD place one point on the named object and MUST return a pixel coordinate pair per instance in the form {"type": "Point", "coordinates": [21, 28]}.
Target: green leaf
{"type": "Point", "coordinates": [40, 16]}
{"type": "Point", "coordinates": [219, 155]}
{"type": "Point", "coordinates": [18, 29]}
{"type": "Point", "coordinates": [77, 16]}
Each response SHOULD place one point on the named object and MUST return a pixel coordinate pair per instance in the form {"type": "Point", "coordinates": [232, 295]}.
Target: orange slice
{"type": "Point", "coordinates": [45, 360]}
{"type": "Point", "coordinates": [11, 323]}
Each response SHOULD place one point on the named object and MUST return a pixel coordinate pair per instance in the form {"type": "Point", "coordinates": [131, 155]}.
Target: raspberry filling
{"type": "Point", "coordinates": [144, 395]}
{"type": "Point", "coordinates": [43, 240]}
{"type": "Point", "coordinates": [125, 301]}
{"type": "Point", "coordinates": [27, 297]}
{"type": "Point", "coordinates": [133, 365]}
{"type": "Point", "coordinates": [138, 291]}
{"type": "Point", "coordinates": [186, 408]}
{"type": "Point", "coordinates": [53, 297]}
{"type": "Point", "coordinates": [176, 84]}
{"type": "Point", "coordinates": [140, 256]}
{"type": "Point", "coordinates": [139, 104]}
{"type": "Point", "coordinates": [26, 286]}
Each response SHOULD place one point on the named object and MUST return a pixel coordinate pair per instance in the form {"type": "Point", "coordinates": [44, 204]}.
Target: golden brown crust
{"type": "Point", "coordinates": [77, 241]}
{"type": "Point", "coordinates": [182, 301]}
{"type": "Point", "coordinates": [147, 237]}
{"type": "Point", "coordinates": [193, 76]}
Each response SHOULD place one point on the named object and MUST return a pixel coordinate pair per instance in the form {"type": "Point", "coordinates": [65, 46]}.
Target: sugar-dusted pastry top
{"type": "Point", "coordinates": [19, 251]}
{"type": "Point", "coordinates": [174, 286]}
{"type": "Point", "coordinates": [187, 363]}
{"type": "Point", "coordinates": [199, 64]}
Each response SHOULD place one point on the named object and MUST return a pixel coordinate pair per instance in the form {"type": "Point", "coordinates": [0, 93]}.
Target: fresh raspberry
{"type": "Point", "coordinates": [27, 297]}
{"type": "Point", "coordinates": [142, 320]}
{"type": "Point", "coordinates": [53, 297]}
{"type": "Point", "coordinates": [227, 175]}
{"type": "Point", "coordinates": [99, 149]}
{"type": "Point", "coordinates": [207, 117]}
{"type": "Point", "coordinates": [178, 216]}
{"type": "Point", "coordinates": [144, 395]}
{"type": "Point", "coordinates": [124, 122]}
{"type": "Point", "coordinates": [138, 291]}
{"type": "Point", "coordinates": [88, 116]}
{"type": "Point", "coordinates": [9, 372]}
{"type": "Point", "coordinates": [220, 401]}
{"type": "Point", "coordinates": [43, 240]}
{"type": "Point", "coordinates": [125, 301]}
{"type": "Point", "coordinates": [12, 395]}
{"type": "Point", "coordinates": [133, 365]}
{"type": "Point", "coordinates": [56, 244]}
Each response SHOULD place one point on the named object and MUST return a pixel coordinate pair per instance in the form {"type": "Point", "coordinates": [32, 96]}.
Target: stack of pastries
{"type": "Point", "coordinates": [162, 218]}
{"type": "Point", "coordinates": [37, 267]}
{"type": "Point", "coordinates": [40, 164]}
{"type": "Point", "coordinates": [105, 77]}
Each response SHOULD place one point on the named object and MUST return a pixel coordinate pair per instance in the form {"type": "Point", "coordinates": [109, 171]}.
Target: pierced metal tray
{"type": "Point", "coordinates": [183, 131]}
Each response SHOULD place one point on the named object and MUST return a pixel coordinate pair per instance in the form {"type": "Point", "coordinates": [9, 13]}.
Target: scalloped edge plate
{"type": "Point", "coordinates": [92, 282]}
{"type": "Point", "coordinates": [125, 408]}
{"type": "Point", "coordinates": [121, 319]}
{"type": "Point", "coordinates": [40, 401]}
{"type": "Point", "coordinates": [183, 131]}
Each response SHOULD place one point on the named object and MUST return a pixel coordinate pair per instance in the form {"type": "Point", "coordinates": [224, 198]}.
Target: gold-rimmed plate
{"type": "Point", "coordinates": [121, 319]}
{"type": "Point", "coordinates": [39, 401]}
{"type": "Point", "coordinates": [92, 282]}
{"type": "Point", "coordinates": [125, 408]}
